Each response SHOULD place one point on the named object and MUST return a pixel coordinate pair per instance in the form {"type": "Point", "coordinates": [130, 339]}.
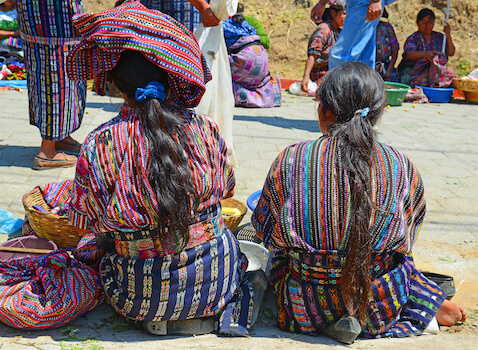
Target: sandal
{"type": "Point", "coordinates": [41, 163]}
{"type": "Point", "coordinates": [73, 147]}
{"type": "Point", "coordinates": [345, 330]}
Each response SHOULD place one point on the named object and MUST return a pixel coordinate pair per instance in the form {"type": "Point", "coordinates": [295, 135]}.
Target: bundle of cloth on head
{"type": "Point", "coordinates": [159, 37]}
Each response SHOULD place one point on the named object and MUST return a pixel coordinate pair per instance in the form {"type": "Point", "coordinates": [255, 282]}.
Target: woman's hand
{"type": "Point", "coordinates": [304, 85]}
{"type": "Point", "coordinates": [208, 18]}
{"type": "Point", "coordinates": [318, 11]}
{"type": "Point", "coordinates": [16, 33]}
{"type": "Point", "coordinates": [447, 30]}
{"type": "Point", "coordinates": [374, 10]}
{"type": "Point", "coordinates": [430, 55]}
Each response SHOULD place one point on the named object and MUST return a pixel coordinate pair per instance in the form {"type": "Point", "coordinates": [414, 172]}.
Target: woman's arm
{"type": "Point", "coordinates": [308, 68]}
{"type": "Point", "coordinates": [4, 34]}
{"type": "Point", "coordinates": [391, 64]}
{"type": "Point", "coordinates": [207, 16]}
{"type": "Point", "coordinates": [416, 55]}
{"type": "Point", "coordinates": [450, 47]}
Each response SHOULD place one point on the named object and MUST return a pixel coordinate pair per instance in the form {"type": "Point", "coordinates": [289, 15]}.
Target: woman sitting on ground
{"type": "Point", "coordinates": [321, 42]}
{"type": "Point", "coordinates": [252, 83]}
{"type": "Point", "coordinates": [423, 62]}
{"type": "Point", "coordinates": [9, 29]}
{"type": "Point", "coordinates": [149, 182]}
{"type": "Point", "coordinates": [342, 214]}
{"type": "Point", "coordinates": [387, 49]}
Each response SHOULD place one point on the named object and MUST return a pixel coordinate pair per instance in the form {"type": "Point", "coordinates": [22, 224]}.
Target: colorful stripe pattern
{"type": "Point", "coordinates": [304, 214]}
{"type": "Point", "coordinates": [181, 10]}
{"type": "Point", "coordinates": [56, 103]}
{"type": "Point", "coordinates": [197, 282]}
{"type": "Point", "coordinates": [160, 38]}
{"type": "Point", "coordinates": [47, 292]}
{"type": "Point", "coordinates": [111, 191]}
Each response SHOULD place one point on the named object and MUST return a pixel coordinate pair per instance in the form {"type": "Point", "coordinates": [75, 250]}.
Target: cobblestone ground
{"type": "Point", "coordinates": [442, 140]}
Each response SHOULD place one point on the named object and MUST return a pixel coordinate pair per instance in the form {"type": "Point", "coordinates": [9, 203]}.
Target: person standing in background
{"type": "Point", "coordinates": [356, 41]}
{"type": "Point", "coordinates": [56, 104]}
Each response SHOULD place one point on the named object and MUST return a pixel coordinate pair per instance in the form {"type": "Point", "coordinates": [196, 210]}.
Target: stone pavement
{"type": "Point", "coordinates": [442, 140]}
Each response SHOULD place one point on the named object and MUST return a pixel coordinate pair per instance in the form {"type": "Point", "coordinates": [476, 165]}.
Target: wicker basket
{"type": "Point", "coordinates": [233, 221]}
{"type": "Point", "coordinates": [470, 85]}
{"type": "Point", "coordinates": [47, 225]}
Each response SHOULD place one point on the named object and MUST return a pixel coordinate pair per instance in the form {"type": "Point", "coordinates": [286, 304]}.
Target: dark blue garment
{"type": "Point", "coordinates": [233, 31]}
{"type": "Point", "coordinates": [181, 10]}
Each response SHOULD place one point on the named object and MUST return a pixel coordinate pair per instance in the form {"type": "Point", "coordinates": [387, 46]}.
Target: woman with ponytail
{"type": "Point", "coordinates": [149, 182]}
{"type": "Point", "coordinates": [342, 214]}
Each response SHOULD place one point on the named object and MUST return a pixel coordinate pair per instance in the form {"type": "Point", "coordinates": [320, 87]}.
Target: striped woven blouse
{"type": "Point", "coordinates": [111, 190]}
{"type": "Point", "coordinates": [305, 203]}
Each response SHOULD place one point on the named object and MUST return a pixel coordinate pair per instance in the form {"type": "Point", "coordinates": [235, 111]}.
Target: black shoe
{"type": "Point", "coordinates": [345, 330]}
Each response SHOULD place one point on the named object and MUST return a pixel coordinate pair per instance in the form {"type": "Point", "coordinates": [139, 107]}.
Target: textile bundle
{"type": "Point", "coordinates": [47, 292]}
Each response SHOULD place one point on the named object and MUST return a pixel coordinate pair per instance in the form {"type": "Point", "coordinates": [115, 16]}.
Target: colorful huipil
{"type": "Point", "coordinates": [56, 103]}
{"type": "Point", "coordinates": [321, 42]}
{"type": "Point", "coordinates": [423, 72]}
{"type": "Point", "coordinates": [303, 214]}
{"type": "Point", "coordinates": [148, 278]}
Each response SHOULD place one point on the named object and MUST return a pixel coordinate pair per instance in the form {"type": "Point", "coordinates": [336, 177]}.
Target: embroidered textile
{"type": "Point", "coordinates": [304, 215]}
{"type": "Point", "coordinates": [56, 103]}
{"type": "Point", "coordinates": [160, 38]}
{"type": "Point", "coordinates": [47, 292]}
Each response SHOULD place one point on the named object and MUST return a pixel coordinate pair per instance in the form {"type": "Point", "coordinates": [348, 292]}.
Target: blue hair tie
{"type": "Point", "coordinates": [152, 90]}
{"type": "Point", "coordinates": [365, 112]}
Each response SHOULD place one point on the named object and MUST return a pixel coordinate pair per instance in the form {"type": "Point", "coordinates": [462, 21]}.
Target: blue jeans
{"type": "Point", "coordinates": [356, 41]}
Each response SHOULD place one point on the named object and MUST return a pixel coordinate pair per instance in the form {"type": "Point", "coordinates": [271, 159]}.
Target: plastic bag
{"type": "Point", "coordinates": [8, 224]}
{"type": "Point", "coordinates": [295, 89]}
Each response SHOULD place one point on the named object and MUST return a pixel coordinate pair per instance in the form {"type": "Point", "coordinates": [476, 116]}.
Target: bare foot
{"type": "Point", "coordinates": [450, 313]}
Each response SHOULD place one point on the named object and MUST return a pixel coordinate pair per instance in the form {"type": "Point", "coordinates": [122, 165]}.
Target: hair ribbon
{"type": "Point", "coordinates": [153, 89]}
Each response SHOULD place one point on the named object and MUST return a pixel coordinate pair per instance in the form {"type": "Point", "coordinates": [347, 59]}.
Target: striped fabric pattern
{"type": "Point", "coordinates": [196, 282]}
{"type": "Point", "coordinates": [160, 38]}
{"type": "Point", "coordinates": [181, 10]}
{"type": "Point", "coordinates": [304, 215]}
{"type": "Point", "coordinates": [111, 191]}
{"type": "Point", "coordinates": [47, 292]}
{"type": "Point", "coordinates": [56, 103]}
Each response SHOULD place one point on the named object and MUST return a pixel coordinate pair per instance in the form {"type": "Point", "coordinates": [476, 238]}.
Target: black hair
{"type": "Point", "coordinates": [169, 173]}
{"type": "Point", "coordinates": [385, 13]}
{"type": "Point", "coordinates": [346, 91]}
{"type": "Point", "coordinates": [425, 13]}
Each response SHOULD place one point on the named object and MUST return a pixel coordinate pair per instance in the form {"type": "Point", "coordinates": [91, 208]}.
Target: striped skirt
{"type": "Point", "coordinates": [56, 103]}
{"type": "Point", "coordinates": [402, 301]}
{"type": "Point", "coordinates": [201, 281]}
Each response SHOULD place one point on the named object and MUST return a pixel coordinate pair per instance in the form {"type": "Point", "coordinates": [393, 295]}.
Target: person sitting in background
{"type": "Point", "coordinates": [9, 29]}
{"type": "Point", "coordinates": [321, 43]}
{"type": "Point", "coordinates": [387, 50]}
{"type": "Point", "coordinates": [341, 214]}
{"type": "Point", "coordinates": [423, 61]}
{"type": "Point", "coordinates": [252, 83]}
{"type": "Point", "coordinates": [257, 25]}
